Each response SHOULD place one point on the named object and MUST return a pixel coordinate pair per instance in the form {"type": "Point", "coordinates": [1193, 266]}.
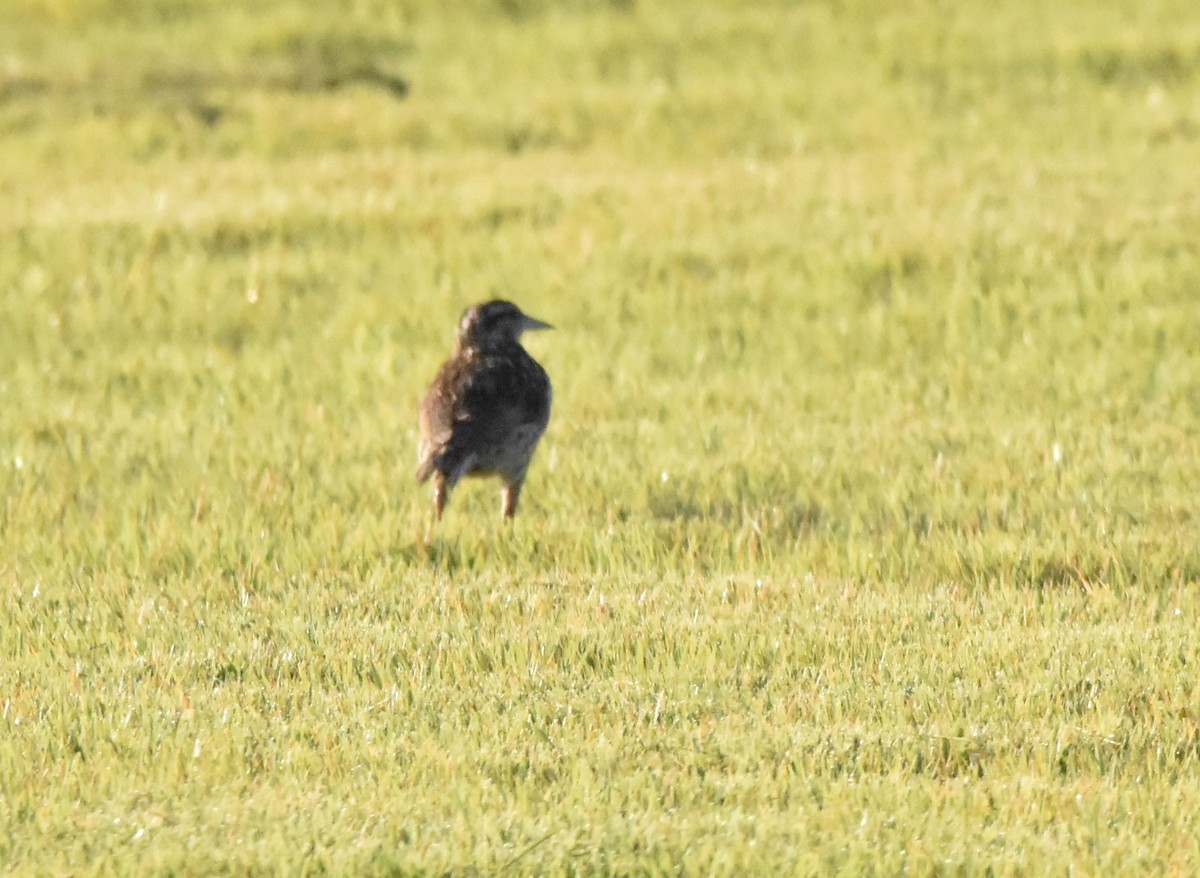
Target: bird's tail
{"type": "Point", "coordinates": [425, 469]}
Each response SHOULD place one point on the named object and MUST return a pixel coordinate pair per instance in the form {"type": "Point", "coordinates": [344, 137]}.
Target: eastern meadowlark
{"type": "Point", "coordinates": [487, 408]}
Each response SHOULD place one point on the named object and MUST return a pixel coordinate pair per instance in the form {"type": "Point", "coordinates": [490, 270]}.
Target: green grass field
{"type": "Point", "coordinates": [864, 539]}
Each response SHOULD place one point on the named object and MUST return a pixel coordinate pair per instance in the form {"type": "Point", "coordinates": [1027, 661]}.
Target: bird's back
{"type": "Point", "coordinates": [484, 413]}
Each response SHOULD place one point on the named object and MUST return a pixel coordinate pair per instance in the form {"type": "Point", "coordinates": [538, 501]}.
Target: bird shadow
{"type": "Point", "coordinates": [455, 553]}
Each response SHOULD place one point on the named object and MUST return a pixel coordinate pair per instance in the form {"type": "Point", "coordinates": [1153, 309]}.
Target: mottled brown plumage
{"type": "Point", "coordinates": [487, 408]}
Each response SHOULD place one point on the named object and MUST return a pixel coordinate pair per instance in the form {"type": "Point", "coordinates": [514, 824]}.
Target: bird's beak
{"type": "Point", "coordinates": [533, 323]}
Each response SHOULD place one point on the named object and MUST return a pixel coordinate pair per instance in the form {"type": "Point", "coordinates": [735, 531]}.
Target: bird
{"type": "Point", "coordinates": [488, 407]}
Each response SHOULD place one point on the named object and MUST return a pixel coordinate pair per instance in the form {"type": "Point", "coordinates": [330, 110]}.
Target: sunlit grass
{"type": "Point", "coordinates": [863, 539]}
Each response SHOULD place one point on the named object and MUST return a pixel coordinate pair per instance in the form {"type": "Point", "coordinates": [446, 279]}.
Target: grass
{"type": "Point", "coordinates": [864, 537]}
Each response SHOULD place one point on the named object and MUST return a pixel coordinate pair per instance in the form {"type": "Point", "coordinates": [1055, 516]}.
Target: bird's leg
{"type": "Point", "coordinates": [512, 493]}
{"type": "Point", "coordinates": [440, 493]}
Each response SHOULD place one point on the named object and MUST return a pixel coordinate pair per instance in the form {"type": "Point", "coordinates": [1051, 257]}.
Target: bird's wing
{"type": "Point", "coordinates": [439, 413]}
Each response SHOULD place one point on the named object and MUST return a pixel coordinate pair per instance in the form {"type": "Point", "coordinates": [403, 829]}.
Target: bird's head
{"type": "Point", "coordinates": [493, 324]}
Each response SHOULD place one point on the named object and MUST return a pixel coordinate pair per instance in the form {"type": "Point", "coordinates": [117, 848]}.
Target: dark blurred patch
{"type": "Point", "coordinates": [227, 673]}
{"type": "Point", "coordinates": [518, 10]}
{"type": "Point", "coordinates": [300, 78]}
{"type": "Point", "coordinates": [234, 239]}
{"type": "Point", "coordinates": [1050, 572]}
{"type": "Point", "coordinates": [1140, 66]}
{"type": "Point", "coordinates": [539, 211]}
{"type": "Point", "coordinates": [193, 89]}
{"type": "Point", "coordinates": [231, 338]}
{"type": "Point", "coordinates": [15, 88]}
{"type": "Point", "coordinates": [206, 113]}
{"type": "Point", "coordinates": [878, 277]}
